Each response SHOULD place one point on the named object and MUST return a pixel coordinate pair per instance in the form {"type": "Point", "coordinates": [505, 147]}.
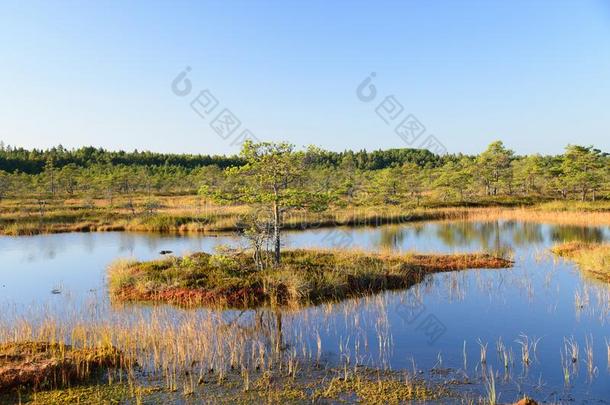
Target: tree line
{"type": "Point", "coordinates": [393, 177]}
{"type": "Point", "coordinates": [34, 161]}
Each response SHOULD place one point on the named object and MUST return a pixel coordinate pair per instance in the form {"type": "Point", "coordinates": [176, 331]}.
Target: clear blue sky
{"type": "Point", "coordinates": [535, 74]}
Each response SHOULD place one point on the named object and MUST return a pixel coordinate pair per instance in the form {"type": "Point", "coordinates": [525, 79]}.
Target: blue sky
{"type": "Point", "coordinates": [535, 74]}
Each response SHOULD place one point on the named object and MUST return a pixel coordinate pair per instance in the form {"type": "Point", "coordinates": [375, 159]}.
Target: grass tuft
{"type": "Point", "coordinates": [591, 258]}
{"type": "Point", "coordinates": [304, 277]}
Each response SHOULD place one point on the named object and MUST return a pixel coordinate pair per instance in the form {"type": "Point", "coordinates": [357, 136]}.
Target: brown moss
{"type": "Point", "coordinates": [39, 365]}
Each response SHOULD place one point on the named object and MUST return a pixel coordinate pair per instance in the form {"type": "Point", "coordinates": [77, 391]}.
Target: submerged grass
{"type": "Point", "coordinates": [304, 277]}
{"type": "Point", "coordinates": [368, 386]}
{"type": "Point", "coordinates": [379, 387]}
{"type": "Point", "coordinates": [592, 258]}
{"type": "Point", "coordinates": [198, 356]}
{"type": "Point", "coordinates": [80, 394]}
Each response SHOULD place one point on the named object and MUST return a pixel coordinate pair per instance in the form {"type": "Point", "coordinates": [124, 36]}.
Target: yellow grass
{"type": "Point", "coordinates": [592, 258]}
{"type": "Point", "coordinates": [197, 357]}
{"type": "Point", "coordinates": [542, 215]}
{"type": "Point", "coordinates": [192, 214]}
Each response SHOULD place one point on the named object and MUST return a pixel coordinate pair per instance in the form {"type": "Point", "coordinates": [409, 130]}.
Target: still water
{"type": "Point", "coordinates": [440, 326]}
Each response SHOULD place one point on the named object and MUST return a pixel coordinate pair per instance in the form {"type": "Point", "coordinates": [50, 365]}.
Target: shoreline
{"type": "Point", "coordinates": [222, 220]}
{"type": "Point", "coordinates": [592, 259]}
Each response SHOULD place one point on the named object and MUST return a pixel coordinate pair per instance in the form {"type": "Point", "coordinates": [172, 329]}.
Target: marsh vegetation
{"type": "Point", "coordinates": [303, 277]}
{"type": "Point", "coordinates": [361, 347]}
{"type": "Point", "coordinates": [89, 189]}
{"type": "Point", "coordinates": [592, 258]}
{"type": "Point", "coordinates": [333, 312]}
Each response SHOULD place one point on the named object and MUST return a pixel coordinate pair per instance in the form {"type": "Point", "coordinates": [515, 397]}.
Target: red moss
{"type": "Point", "coordinates": [236, 297]}
{"type": "Point", "coordinates": [39, 365]}
{"type": "Point", "coordinates": [392, 272]}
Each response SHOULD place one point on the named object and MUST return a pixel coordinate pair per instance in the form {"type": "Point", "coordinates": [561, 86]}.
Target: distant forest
{"type": "Point", "coordinates": [354, 177]}
{"type": "Point", "coordinates": [33, 161]}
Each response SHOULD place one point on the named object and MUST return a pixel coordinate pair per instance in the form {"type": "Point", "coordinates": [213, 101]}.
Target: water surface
{"type": "Point", "coordinates": [440, 324]}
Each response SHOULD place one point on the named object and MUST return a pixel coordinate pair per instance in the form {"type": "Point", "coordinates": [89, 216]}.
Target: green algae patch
{"type": "Point", "coordinates": [95, 394]}
{"type": "Point", "coordinates": [386, 388]}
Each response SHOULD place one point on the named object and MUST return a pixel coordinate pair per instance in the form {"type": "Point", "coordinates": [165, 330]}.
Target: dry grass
{"type": "Point", "coordinates": [591, 258]}
{"type": "Point", "coordinates": [172, 214]}
{"type": "Point", "coordinates": [544, 214]}
{"type": "Point", "coordinates": [192, 214]}
{"type": "Point", "coordinates": [199, 356]}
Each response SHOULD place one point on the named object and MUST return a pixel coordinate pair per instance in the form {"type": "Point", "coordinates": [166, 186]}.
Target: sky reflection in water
{"type": "Point", "coordinates": [475, 308]}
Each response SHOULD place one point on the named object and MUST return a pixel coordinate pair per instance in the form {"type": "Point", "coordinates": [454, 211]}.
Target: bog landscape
{"type": "Point", "coordinates": [304, 202]}
{"type": "Point", "coordinates": [300, 276]}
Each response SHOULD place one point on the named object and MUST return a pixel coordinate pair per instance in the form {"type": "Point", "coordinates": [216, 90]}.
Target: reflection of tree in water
{"type": "Point", "coordinates": [46, 248]}
{"type": "Point", "coordinates": [453, 234]}
{"type": "Point", "coordinates": [567, 233]}
{"type": "Point", "coordinates": [127, 242]}
{"type": "Point", "coordinates": [262, 325]}
{"type": "Point", "coordinates": [393, 236]}
{"type": "Point", "coordinates": [488, 235]}
{"type": "Point", "coordinates": [89, 241]}
{"type": "Point", "coordinates": [499, 237]}
{"type": "Point", "coordinates": [458, 233]}
{"type": "Point", "coordinates": [524, 233]}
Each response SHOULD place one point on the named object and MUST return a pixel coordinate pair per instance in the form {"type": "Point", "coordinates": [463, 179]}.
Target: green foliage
{"type": "Point", "coordinates": [456, 178]}
{"type": "Point", "coordinates": [306, 179]}
{"type": "Point", "coordinates": [34, 161]}
{"type": "Point", "coordinates": [585, 169]}
{"type": "Point", "coordinates": [494, 167]}
{"type": "Point", "coordinates": [272, 179]}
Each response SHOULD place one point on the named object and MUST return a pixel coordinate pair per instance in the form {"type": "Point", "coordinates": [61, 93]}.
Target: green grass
{"type": "Point", "coordinates": [304, 277]}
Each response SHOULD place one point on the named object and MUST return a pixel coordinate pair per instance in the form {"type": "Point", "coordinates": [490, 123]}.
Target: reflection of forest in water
{"type": "Point", "coordinates": [492, 236]}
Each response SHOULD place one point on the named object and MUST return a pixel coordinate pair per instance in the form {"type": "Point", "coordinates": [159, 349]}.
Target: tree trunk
{"type": "Point", "coordinates": [276, 231]}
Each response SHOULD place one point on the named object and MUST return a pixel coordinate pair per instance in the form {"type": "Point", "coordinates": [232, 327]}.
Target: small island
{"type": "Point", "coordinates": [302, 277]}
